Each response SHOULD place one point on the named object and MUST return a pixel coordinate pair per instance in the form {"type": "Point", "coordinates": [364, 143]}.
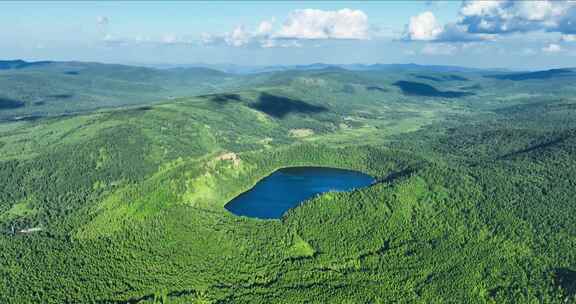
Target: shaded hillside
{"type": "Point", "coordinates": [7, 103]}
{"type": "Point", "coordinates": [411, 88]}
{"type": "Point", "coordinates": [441, 78]}
{"type": "Point", "coordinates": [548, 74]}
{"type": "Point", "coordinates": [280, 106]}
{"type": "Point", "coordinates": [21, 64]}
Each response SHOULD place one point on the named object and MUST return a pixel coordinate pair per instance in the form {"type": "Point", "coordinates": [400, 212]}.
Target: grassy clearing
{"type": "Point", "coordinates": [19, 210]}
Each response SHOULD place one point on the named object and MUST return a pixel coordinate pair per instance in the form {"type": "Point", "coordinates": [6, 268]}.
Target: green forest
{"type": "Point", "coordinates": [123, 201]}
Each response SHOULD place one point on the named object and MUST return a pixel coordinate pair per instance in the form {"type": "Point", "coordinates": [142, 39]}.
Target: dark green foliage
{"type": "Point", "coordinates": [566, 278]}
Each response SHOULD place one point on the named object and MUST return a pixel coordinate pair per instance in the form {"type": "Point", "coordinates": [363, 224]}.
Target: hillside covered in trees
{"type": "Point", "coordinates": [112, 188]}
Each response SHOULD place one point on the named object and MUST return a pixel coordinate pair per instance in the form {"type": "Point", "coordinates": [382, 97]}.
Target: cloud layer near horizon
{"type": "Point", "coordinates": [549, 24]}
{"type": "Point", "coordinates": [304, 24]}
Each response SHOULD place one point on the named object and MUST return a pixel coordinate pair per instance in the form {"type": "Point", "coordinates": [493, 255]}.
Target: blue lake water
{"type": "Point", "coordinates": [288, 187]}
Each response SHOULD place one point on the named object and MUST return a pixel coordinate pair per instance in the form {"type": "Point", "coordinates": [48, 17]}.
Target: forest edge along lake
{"type": "Point", "coordinates": [287, 188]}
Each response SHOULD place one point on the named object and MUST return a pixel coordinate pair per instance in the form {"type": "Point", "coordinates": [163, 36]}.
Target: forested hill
{"type": "Point", "coordinates": [113, 189]}
{"type": "Point", "coordinates": [53, 88]}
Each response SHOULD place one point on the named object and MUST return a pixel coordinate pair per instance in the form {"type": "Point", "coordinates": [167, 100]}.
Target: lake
{"type": "Point", "coordinates": [287, 188]}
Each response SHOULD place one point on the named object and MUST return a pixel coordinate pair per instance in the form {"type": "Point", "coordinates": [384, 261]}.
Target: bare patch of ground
{"type": "Point", "coordinates": [230, 156]}
{"type": "Point", "coordinates": [299, 133]}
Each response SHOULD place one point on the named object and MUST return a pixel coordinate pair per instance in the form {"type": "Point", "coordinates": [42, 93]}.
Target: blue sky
{"type": "Point", "coordinates": [523, 35]}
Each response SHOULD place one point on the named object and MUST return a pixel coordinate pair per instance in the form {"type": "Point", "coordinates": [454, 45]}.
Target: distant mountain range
{"type": "Point", "coordinates": [20, 64]}
{"type": "Point", "coordinates": [242, 69]}
{"type": "Point", "coordinates": [247, 69]}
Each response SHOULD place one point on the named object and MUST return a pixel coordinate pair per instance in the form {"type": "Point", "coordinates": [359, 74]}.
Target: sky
{"type": "Point", "coordinates": [489, 34]}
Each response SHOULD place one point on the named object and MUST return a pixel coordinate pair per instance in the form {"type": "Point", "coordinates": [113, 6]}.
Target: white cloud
{"type": "Point", "coordinates": [319, 24]}
{"type": "Point", "coordinates": [423, 27]}
{"type": "Point", "coordinates": [479, 7]}
{"type": "Point", "coordinates": [435, 49]}
{"type": "Point", "coordinates": [112, 40]}
{"type": "Point", "coordinates": [207, 39]}
{"type": "Point", "coordinates": [268, 43]}
{"type": "Point", "coordinates": [166, 39]}
{"type": "Point", "coordinates": [539, 10]}
{"type": "Point", "coordinates": [238, 37]}
{"type": "Point", "coordinates": [306, 24]}
{"type": "Point", "coordinates": [552, 48]}
{"type": "Point", "coordinates": [271, 43]}
{"type": "Point", "coordinates": [242, 37]}
{"type": "Point", "coordinates": [508, 16]}
{"type": "Point", "coordinates": [266, 27]}
{"type": "Point", "coordinates": [487, 19]}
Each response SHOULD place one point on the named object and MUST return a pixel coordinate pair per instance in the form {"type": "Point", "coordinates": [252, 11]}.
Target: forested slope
{"type": "Point", "coordinates": [473, 204]}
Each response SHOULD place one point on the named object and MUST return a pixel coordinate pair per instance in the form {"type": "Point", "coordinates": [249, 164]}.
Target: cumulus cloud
{"type": "Point", "coordinates": [305, 24]}
{"type": "Point", "coordinates": [508, 16]}
{"type": "Point", "coordinates": [425, 27]}
{"type": "Point", "coordinates": [240, 36]}
{"type": "Point", "coordinates": [486, 19]}
{"type": "Point", "coordinates": [453, 32]}
{"type": "Point", "coordinates": [319, 24]}
{"type": "Point", "coordinates": [266, 27]}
